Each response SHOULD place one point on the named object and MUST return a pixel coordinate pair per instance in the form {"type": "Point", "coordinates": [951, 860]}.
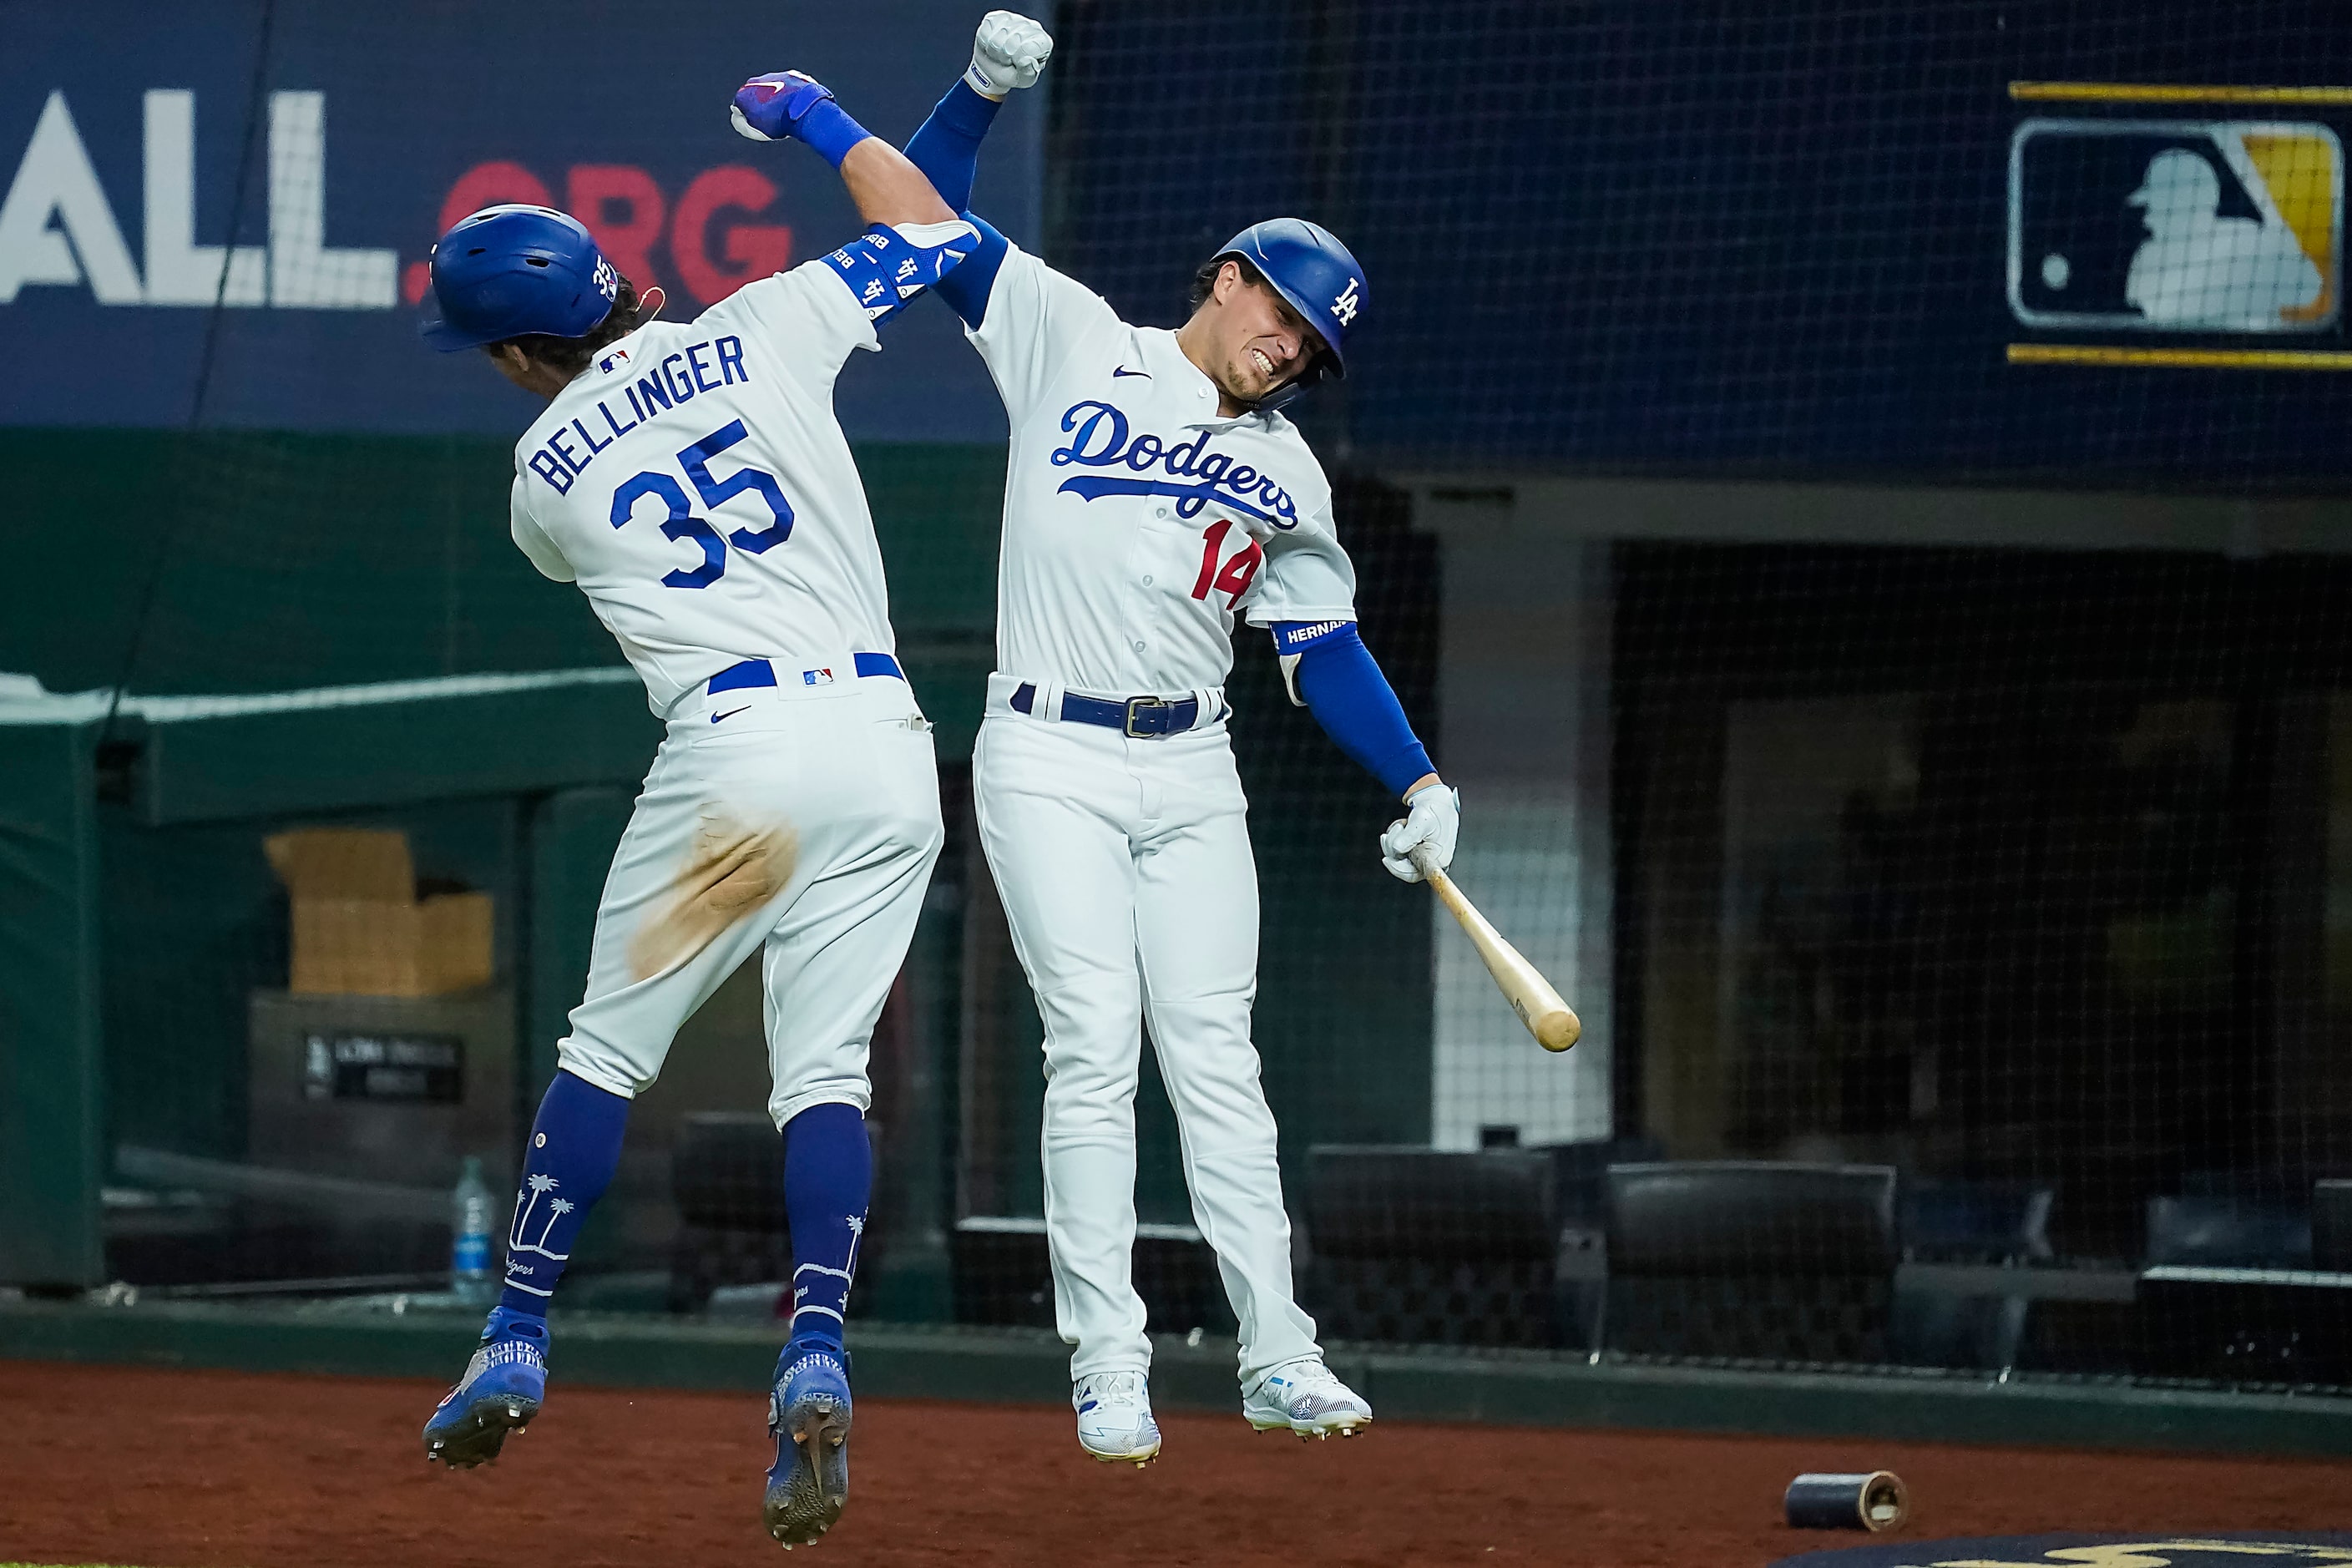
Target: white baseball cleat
{"type": "Point", "coordinates": [1115, 1422]}
{"type": "Point", "coordinates": [1303, 1396]}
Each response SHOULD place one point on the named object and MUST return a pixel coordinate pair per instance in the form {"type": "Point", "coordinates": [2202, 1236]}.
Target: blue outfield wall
{"type": "Point", "coordinates": [1597, 236]}
{"type": "Point", "coordinates": [296, 160]}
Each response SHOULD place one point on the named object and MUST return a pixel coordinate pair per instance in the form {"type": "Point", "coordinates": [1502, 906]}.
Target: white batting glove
{"type": "Point", "coordinates": [1008, 53]}
{"type": "Point", "coordinates": [1433, 818]}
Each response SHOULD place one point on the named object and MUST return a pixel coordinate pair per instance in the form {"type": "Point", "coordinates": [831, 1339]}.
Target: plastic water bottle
{"type": "Point", "coordinates": [469, 1234]}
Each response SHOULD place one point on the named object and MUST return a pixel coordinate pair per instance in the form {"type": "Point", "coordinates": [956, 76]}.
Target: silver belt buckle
{"type": "Point", "coordinates": [1134, 706]}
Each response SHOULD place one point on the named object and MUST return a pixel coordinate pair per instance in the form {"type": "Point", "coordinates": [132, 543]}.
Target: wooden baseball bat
{"type": "Point", "coordinates": [1531, 997]}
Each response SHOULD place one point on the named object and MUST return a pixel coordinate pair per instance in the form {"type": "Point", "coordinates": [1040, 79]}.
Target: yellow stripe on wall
{"type": "Point", "coordinates": [2179, 359]}
{"type": "Point", "coordinates": [2161, 92]}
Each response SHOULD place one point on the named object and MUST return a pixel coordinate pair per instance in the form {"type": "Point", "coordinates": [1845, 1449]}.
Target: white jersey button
{"type": "Point", "coordinates": [1147, 582]}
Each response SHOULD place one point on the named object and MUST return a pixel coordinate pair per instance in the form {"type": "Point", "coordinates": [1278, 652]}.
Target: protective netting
{"type": "Point", "coordinates": [1951, 878]}
{"type": "Point", "coordinates": [1718, 238]}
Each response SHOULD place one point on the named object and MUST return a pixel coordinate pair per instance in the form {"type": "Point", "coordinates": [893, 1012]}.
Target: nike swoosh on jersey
{"type": "Point", "coordinates": [717, 718]}
{"type": "Point", "coordinates": [1122, 370]}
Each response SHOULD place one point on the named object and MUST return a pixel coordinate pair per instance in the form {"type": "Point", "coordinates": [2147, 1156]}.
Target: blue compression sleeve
{"type": "Point", "coordinates": [967, 287]}
{"type": "Point", "coordinates": [947, 148]}
{"type": "Point", "coordinates": [1342, 685]}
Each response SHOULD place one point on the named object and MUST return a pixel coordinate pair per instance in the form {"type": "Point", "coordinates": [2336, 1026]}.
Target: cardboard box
{"type": "Point", "coordinates": [360, 928]}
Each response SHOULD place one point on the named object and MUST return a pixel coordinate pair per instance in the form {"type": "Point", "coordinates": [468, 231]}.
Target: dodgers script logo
{"type": "Point", "coordinates": [1099, 439]}
{"type": "Point", "coordinates": [2178, 225]}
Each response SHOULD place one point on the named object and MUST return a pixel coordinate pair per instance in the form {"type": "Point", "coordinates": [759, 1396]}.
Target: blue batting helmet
{"type": "Point", "coordinates": [510, 270]}
{"type": "Point", "coordinates": [1309, 267]}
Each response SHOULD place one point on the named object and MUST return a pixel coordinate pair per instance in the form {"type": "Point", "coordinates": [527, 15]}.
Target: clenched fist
{"type": "Point", "coordinates": [768, 107]}
{"type": "Point", "coordinates": [1008, 53]}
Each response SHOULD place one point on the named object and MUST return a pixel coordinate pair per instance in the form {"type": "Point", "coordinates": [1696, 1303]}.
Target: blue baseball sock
{"type": "Point", "coordinates": [828, 1175]}
{"type": "Point", "coordinates": [574, 1144]}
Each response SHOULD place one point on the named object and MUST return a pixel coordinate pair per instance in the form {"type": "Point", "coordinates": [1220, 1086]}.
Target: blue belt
{"type": "Point", "coordinates": [1145, 718]}
{"type": "Point", "coordinates": [760, 672]}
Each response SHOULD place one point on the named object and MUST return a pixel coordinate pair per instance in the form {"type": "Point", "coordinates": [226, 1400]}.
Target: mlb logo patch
{"type": "Point", "coordinates": [2176, 226]}
{"type": "Point", "coordinates": [816, 677]}
{"type": "Point", "coordinates": [616, 358]}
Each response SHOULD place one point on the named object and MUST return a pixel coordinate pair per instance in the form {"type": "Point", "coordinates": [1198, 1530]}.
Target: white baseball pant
{"type": "Point", "coordinates": [799, 818]}
{"type": "Point", "coordinates": [1126, 872]}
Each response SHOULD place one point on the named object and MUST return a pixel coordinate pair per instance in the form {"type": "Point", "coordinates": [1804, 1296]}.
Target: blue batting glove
{"type": "Point", "coordinates": [770, 108]}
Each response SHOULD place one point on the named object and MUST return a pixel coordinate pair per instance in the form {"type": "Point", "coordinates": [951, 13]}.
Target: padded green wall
{"type": "Point", "coordinates": [292, 561]}
{"type": "Point", "coordinates": [52, 1104]}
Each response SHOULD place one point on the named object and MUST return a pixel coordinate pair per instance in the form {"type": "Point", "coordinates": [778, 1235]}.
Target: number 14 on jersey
{"type": "Point", "coordinates": [1233, 579]}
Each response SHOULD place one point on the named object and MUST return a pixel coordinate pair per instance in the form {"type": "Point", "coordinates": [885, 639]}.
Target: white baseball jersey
{"type": "Point", "coordinates": [694, 481]}
{"type": "Point", "coordinates": [1137, 525]}
{"type": "Point", "coordinates": [1137, 521]}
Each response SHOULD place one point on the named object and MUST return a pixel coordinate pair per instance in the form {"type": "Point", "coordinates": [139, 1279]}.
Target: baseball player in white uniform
{"type": "Point", "coordinates": [692, 481]}
{"type": "Point", "coordinates": [1153, 496]}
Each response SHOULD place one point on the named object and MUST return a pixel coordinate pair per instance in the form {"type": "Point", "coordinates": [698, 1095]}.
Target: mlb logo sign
{"type": "Point", "coordinates": [2176, 226]}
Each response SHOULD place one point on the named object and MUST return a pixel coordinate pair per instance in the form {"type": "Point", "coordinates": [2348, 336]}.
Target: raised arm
{"type": "Point", "coordinates": [1008, 52]}
{"type": "Point", "coordinates": [887, 188]}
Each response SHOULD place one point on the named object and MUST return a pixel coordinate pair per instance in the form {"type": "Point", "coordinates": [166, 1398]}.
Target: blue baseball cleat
{"type": "Point", "coordinates": [808, 1415]}
{"type": "Point", "coordinates": [503, 1389]}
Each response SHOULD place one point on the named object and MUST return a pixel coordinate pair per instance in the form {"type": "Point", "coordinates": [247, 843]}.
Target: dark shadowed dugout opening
{"type": "Point", "coordinates": [2024, 873]}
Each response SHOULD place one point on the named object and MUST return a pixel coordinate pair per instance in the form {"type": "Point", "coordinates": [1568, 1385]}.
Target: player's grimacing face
{"type": "Point", "coordinates": [1260, 340]}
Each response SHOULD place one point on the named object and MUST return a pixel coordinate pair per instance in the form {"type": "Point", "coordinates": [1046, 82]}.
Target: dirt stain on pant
{"type": "Point", "coordinates": [731, 871]}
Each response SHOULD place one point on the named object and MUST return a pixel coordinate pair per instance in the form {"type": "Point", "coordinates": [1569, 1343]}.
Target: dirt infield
{"type": "Point", "coordinates": [173, 1469]}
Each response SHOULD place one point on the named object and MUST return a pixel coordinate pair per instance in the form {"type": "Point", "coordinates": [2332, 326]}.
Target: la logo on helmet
{"type": "Point", "coordinates": [1344, 307]}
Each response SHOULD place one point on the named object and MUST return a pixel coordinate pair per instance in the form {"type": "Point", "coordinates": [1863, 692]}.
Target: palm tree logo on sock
{"type": "Point", "coordinates": [845, 1274]}
{"type": "Point", "coordinates": [539, 1186]}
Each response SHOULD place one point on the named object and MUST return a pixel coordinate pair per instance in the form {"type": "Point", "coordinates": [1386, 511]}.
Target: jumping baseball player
{"type": "Point", "coordinates": [692, 480]}
{"type": "Point", "coordinates": [1153, 495]}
